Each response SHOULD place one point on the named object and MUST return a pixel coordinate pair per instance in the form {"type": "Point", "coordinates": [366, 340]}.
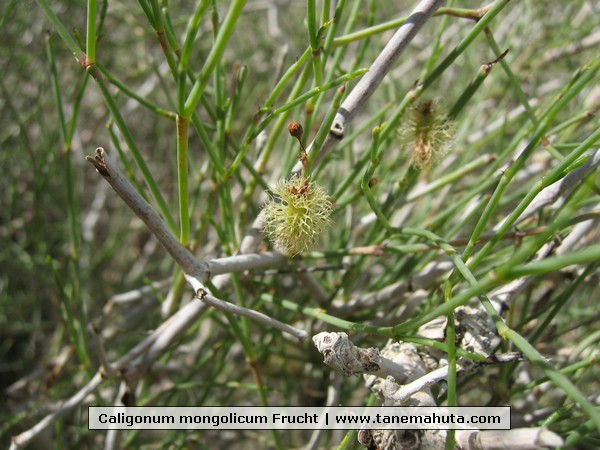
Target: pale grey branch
{"type": "Point", "coordinates": [516, 439]}
{"type": "Point", "coordinates": [196, 273]}
{"type": "Point", "coordinates": [150, 217]}
{"type": "Point", "coordinates": [26, 437]}
{"type": "Point", "coordinates": [369, 83]}
{"type": "Point", "coordinates": [255, 315]}
{"type": "Point", "coordinates": [239, 263]}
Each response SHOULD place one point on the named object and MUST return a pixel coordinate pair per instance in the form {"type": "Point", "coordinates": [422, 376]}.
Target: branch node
{"type": "Point", "coordinates": [201, 293]}
{"type": "Point", "coordinates": [99, 163]}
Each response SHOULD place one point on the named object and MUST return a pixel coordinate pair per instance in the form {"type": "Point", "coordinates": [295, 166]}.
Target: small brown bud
{"type": "Point", "coordinates": [295, 130]}
{"type": "Point", "coordinates": [373, 181]}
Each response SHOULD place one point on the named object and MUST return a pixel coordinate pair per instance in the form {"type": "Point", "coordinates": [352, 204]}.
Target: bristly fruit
{"type": "Point", "coordinates": [428, 133]}
{"type": "Point", "coordinates": [297, 216]}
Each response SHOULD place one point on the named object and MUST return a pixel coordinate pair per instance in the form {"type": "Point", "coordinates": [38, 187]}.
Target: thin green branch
{"type": "Point", "coordinates": [135, 152]}
{"type": "Point", "coordinates": [91, 32]}
{"type": "Point", "coordinates": [188, 45]}
{"type": "Point", "coordinates": [216, 52]}
{"type": "Point", "coordinates": [63, 33]}
{"type": "Point", "coordinates": [304, 97]}
{"type": "Point", "coordinates": [182, 179]}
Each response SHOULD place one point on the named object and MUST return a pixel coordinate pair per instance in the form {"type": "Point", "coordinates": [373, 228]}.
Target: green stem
{"type": "Point", "coordinates": [114, 110]}
{"type": "Point", "coordinates": [135, 152]}
{"type": "Point", "coordinates": [276, 130]}
{"type": "Point", "coordinates": [313, 35]}
{"type": "Point", "coordinates": [451, 341]}
{"type": "Point", "coordinates": [557, 305]}
{"type": "Point", "coordinates": [584, 256]}
{"type": "Point", "coordinates": [554, 175]}
{"type": "Point", "coordinates": [91, 32]}
{"type": "Point", "coordinates": [588, 255]}
{"type": "Point", "coordinates": [132, 94]}
{"type": "Point", "coordinates": [473, 86]}
{"type": "Point", "coordinates": [148, 12]}
{"type": "Point", "coordinates": [285, 79]}
{"type": "Point", "coordinates": [63, 33]}
{"type": "Point", "coordinates": [368, 32]}
{"type": "Point", "coordinates": [555, 376]}
{"type": "Point", "coordinates": [307, 95]}
{"type": "Point", "coordinates": [325, 127]}
{"type": "Point", "coordinates": [213, 58]}
{"type": "Point", "coordinates": [168, 27]}
{"type": "Point", "coordinates": [580, 81]}
{"type": "Point", "coordinates": [188, 45]}
{"type": "Point", "coordinates": [154, 12]}
{"type": "Point", "coordinates": [76, 331]}
{"type": "Point", "coordinates": [451, 378]}
{"type": "Point", "coordinates": [514, 81]}
{"type": "Point", "coordinates": [182, 179]}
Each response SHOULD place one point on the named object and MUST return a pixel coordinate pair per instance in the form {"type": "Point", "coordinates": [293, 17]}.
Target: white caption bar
{"type": "Point", "coordinates": [268, 418]}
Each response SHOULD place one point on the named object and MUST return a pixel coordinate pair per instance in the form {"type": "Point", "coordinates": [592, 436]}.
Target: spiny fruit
{"type": "Point", "coordinates": [297, 215]}
{"type": "Point", "coordinates": [428, 133]}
